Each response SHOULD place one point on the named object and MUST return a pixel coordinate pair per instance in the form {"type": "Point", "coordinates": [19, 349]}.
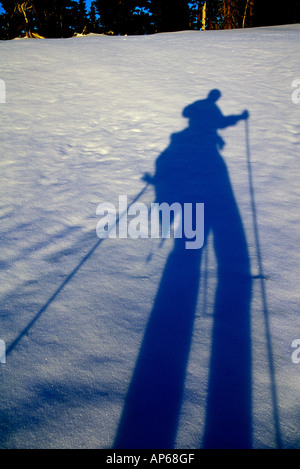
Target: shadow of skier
{"type": "Point", "coordinates": [191, 170]}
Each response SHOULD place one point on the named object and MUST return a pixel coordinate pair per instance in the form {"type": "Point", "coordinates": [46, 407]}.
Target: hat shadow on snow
{"type": "Point", "coordinates": [192, 170]}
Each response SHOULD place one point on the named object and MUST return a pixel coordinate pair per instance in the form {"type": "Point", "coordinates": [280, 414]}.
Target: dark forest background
{"type": "Point", "coordinates": [65, 18]}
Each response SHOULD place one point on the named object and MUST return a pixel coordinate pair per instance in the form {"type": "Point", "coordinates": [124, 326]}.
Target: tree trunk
{"type": "Point", "coordinates": [203, 16]}
{"type": "Point", "coordinates": [22, 7]}
{"type": "Point", "coordinates": [198, 15]}
{"type": "Point", "coordinates": [245, 13]}
{"type": "Point", "coordinates": [227, 14]}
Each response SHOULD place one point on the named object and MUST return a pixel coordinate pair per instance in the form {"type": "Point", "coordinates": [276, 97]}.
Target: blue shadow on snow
{"type": "Point", "coordinates": [192, 170]}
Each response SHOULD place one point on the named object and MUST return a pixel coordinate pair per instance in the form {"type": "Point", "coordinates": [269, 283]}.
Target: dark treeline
{"type": "Point", "coordinates": [64, 18]}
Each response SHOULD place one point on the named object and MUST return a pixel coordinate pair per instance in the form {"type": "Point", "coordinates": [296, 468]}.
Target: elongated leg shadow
{"type": "Point", "coordinates": [150, 416]}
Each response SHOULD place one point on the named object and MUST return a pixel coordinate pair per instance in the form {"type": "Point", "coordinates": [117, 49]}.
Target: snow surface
{"type": "Point", "coordinates": [84, 119]}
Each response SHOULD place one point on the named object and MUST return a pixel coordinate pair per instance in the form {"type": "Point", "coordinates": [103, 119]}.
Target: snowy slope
{"type": "Point", "coordinates": [84, 119]}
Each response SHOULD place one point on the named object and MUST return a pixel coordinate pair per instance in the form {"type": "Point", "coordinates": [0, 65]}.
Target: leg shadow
{"type": "Point", "coordinates": [150, 416]}
{"type": "Point", "coordinates": [228, 409]}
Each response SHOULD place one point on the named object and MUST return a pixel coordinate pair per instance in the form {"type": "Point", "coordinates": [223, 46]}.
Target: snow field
{"type": "Point", "coordinates": [84, 119]}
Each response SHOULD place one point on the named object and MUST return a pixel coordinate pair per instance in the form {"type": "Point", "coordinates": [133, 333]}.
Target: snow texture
{"type": "Point", "coordinates": [127, 343]}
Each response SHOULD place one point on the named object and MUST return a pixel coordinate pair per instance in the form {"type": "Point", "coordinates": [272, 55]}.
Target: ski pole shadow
{"type": "Point", "coordinates": [191, 170]}
{"type": "Point", "coordinates": [65, 282]}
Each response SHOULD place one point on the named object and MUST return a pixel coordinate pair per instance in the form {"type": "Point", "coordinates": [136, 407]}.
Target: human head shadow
{"type": "Point", "coordinates": [191, 170]}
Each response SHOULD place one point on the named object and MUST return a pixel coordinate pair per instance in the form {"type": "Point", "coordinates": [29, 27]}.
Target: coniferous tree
{"type": "Point", "coordinates": [231, 13]}
{"type": "Point", "coordinates": [94, 24]}
{"type": "Point", "coordinates": [8, 27]}
{"type": "Point", "coordinates": [62, 18]}
{"type": "Point", "coordinates": [49, 18]}
{"type": "Point", "coordinates": [26, 11]}
{"type": "Point", "coordinates": [108, 14]}
{"type": "Point", "coordinates": [18, 17]}
{"type": "Point", "coordinates": [213, 16]}
{"type": "Point", "coordinates": [248, 13]}
{"type": "Point", "coordinates": [170, 15]}
{"type": "Point", "coordinates": [124, 16]}
{"type": "Point", "coordinates": [81, 17]}
{"type": "Point", "coordinates": [57, 18]}
{"type": "Point", "coordinates": [269, 12]}
{"type": "Point", "coordinates": [142, 22]}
